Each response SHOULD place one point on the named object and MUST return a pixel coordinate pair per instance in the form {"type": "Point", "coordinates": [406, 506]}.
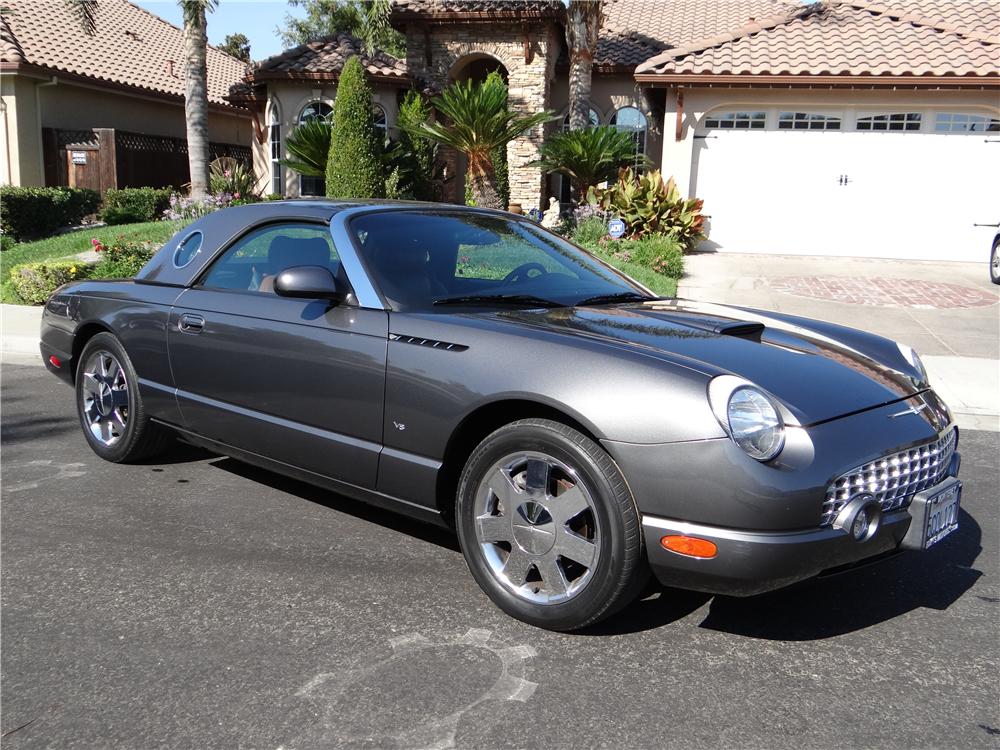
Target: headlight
{"type": "Point", "coordinates": [748, 416]}
{"type": "Point", "coordinates": [914, 359]}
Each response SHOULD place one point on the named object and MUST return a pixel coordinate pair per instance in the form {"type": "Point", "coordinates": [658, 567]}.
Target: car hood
{"type": "Point", "coordinates": [819, 371]}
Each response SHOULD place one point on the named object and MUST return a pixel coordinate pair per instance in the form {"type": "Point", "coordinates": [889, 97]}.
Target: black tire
{"type": "Point", "coordinates": [620, 570]}
{"type": "Point", "coordinates": [138, 437]}
{"type": "Point", "coordinates": [995, 261]}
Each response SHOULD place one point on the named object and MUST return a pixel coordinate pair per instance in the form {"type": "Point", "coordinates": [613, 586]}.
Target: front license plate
{"type": "Point", "coordinates": [935, 515]}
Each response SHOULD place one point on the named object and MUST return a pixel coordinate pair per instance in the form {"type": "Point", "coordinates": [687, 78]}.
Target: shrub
{"type": "Point", "coordinates": [661, 253]}
{"type": "Point", "coordinates": [133, 205]}
{"type": "Point", "coordinates": [231, 176]}
{"type": "Point", "coordinates": [588, 156]}
{"type": "Point", "coordinates": [419, 153]}
{"type": "Point", "coordinates": [6, 242]}
{"type": "Point", "coordinates": [35, 282]}
{"type": "Point", "coordinates": [32, 212]}
{"type": "Point", "coordinates": [648, 205]}
{"type": "Point", "coordinates": [354, 167]}
{"type": "Point", "coordinates": [122, 259]}
{"type": "Point", "coordinates": [590, 230]}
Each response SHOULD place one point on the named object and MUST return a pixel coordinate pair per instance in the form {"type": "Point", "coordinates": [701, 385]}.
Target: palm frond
{"type": "Point", "coordinates": [309, 146]}
{"type": "Point", "coordinates": [588, 156]}
{"type": "Point", "coordinates": [86, 13]}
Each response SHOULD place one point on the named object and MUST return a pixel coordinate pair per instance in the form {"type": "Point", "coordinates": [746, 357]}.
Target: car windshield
{"type": "Point", "coordinates": [423, 261]}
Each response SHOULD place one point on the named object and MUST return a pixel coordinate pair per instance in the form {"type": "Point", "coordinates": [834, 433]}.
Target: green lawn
{"type": "Point", "coordinates": [72, 243]}
{"type": "Point", "coordinates": [655, 282]}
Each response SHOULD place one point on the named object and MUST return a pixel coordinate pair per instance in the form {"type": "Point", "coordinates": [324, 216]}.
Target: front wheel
{"type": "Point", "coordinates": [995, 261]}
{"type": "Point", "coordinates": [548, 526]}
{"type": "Point", "coordinates": [109, 404]}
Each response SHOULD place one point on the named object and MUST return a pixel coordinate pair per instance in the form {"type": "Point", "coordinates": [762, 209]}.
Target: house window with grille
{"type": "Point", "coordinates": [594, 119]}
{"type": "Point", "coordinates": [807, 121]}
{"type": "Point", "coordinates": [274, 142]}
{"type": "Point", "coordinates": [957, 122]}
{"type": "Point", "coordinates": [905, 121]}
{"type": "Point", "coordinates": [737, 120]}
{"type": "Point", "coordinates": [631, 120]}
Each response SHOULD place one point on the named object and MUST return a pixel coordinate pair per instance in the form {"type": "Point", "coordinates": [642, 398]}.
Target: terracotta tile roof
{"type": "Point", "coordinates": [325, 58]}
{"type": "Point", "coordinates": [851, 38]}
{"type": "Point", "coordinates": [131, 47]}
{"type": "Point", "coordinates": [635, 30]}
{"type": "Point", "coordinates": [429, 8]}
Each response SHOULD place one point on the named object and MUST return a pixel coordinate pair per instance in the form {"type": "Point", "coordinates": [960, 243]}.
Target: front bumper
{"type": "Point", "coordinates": [752, 562]}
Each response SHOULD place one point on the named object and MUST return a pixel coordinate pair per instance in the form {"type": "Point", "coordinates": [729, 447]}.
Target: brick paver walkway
{"type": "Point", "coordinates": [885, 292]}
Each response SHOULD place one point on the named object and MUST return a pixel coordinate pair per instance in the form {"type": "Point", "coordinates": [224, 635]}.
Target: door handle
{"type": "Point", "coordinates": [191, 323]}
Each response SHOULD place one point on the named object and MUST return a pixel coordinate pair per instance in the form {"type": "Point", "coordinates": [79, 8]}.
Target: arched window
{"type": "Point", "coordinates": [379, 118]}
{"type": "Point", "coordinates": [274, 144]}
{"type": "Point", "coordinates": [631, 120]}
{"type": "Point", "coordinates": [595, 119]}
{"type": "Point", "coordinates": [315, 111]}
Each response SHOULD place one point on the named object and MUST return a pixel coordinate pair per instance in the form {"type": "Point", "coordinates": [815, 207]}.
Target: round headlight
{"type": "Point", "coordinates": [754, 424]}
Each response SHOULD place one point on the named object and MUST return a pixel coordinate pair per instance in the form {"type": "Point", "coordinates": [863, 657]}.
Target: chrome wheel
{"type": "Point", "coordinates": [105, 397]}
{"type": "Point", "coordinates": [536, 524]}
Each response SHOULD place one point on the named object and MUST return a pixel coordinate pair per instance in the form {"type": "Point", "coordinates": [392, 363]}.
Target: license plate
{"type": "Point", "coordinates": [935, 515]}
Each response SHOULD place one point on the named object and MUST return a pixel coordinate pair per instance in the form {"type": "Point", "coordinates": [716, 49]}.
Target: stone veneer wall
{"type": "Point", "coordinates": [529, 83]}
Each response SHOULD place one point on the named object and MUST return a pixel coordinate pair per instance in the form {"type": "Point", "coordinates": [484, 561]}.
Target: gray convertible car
{"type": "Point", "coordinates": [470, 368]}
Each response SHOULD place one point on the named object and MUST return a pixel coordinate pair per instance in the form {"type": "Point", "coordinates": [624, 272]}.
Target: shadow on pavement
{"type": "Point", "coordinates": [403, 524]}
{"type": "Point", "coordinates": [26, 428]}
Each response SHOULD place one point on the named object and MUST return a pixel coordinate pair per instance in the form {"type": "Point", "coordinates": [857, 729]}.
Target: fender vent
{"type": "Point", "coordinates": [429, 343]}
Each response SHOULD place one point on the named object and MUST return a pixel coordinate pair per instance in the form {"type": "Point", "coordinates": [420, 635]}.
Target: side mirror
{"type": "Point", "coordinates": [311, 282]}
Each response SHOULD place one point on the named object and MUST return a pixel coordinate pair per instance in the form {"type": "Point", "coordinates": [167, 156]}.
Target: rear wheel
{"type": "Point", "coordinates": [995, 261]}
{"type": "Point", "coordinates": [109, 405]}
{"type": "Point", "coordinates": [548, 526]}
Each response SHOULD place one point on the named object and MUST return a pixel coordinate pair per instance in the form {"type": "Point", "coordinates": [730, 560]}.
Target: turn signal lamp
{"type": "Point", "coordinates": [690, 546]}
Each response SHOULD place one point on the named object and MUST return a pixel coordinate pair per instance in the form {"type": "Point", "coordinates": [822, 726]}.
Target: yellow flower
{"type": "Point", "coordinates": [72, 271]}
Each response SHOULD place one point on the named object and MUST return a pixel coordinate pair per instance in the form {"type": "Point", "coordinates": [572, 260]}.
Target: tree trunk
{"type": "Point", "coordinates": [482, 181]}
{"type": "Point", "coordinates": [196, 99]}
{"type": "Point", "coordinates": [583, 24]}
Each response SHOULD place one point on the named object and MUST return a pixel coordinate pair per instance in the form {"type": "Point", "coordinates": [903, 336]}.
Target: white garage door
{"type": "Point", "coordinates": [876, 184]}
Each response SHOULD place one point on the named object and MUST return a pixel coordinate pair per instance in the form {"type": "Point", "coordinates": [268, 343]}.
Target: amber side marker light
{"type": "Point", "coordinates": [690, 546]}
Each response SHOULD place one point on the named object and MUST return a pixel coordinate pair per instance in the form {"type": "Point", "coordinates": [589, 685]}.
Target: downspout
{"type": "Point", "coordinates": [679, 129]}
{"type": "Point", "coordinates": [38, 122]}
{"type": "Point", "coordinates": [6, 142]}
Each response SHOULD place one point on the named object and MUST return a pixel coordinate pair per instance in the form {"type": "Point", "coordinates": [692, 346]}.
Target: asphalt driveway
{"type": "Point", "coordinates": [203, 603]}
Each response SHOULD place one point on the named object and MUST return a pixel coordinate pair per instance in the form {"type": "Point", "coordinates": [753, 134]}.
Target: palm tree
{"type": "Point", "coordinates": [587, 156]}
{"type": "Point", "coordinates": [478, 122]}
{"type": "Point", "coordinates": [309, 146]}
{"type": "Point", "coordinates": [195, 81]}
{"type": "Point", "coordinates": [583, 24]}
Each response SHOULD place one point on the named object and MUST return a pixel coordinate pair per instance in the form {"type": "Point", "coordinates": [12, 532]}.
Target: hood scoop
{"type": "Point", "coordinates": [743, 329]}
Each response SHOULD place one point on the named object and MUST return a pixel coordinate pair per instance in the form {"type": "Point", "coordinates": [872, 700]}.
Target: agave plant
{"type": "Point", "coordinates": [588, 156]}
{"type": "Point", "coordinates": [309, 146]}
{"type": "Point", "coordinates": [231, 176]}
{"type": "Point", "coordinates": [478, 121]}
{"type": "Point", "coordinates": [648, 205]}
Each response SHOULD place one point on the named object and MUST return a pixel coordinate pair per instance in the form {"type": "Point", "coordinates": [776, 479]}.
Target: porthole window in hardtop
{"type": "Point", "coordinates": [808, 121]}
{"type": "Point", "coordinates": [899, 121]}
{"type": "Point", "coordinates": [958, 122]}
{"type": "Point", "coordinates": [737, 120]}
{"type": "Point", "coordinates": [189, 247]}
{"type": "Point", "coordinates": [253, 261]}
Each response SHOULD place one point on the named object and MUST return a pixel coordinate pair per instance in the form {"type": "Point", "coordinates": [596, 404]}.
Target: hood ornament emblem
{"type": "Point", "coordinates": [911, 410]}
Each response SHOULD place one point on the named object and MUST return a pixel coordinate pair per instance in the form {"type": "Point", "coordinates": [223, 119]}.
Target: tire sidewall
{"type": "Point", "coordinates": [121, 449]}
{"type": "Point", "coordinates": [994, 277]}
{"type": "Point", "coordinates": [604, 583]}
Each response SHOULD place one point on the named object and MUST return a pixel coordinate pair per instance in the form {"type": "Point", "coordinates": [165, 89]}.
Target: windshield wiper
{"type": "Point", "coordinates": [499, 299]}
{"type": "Point", "coordinates": [606, 299]}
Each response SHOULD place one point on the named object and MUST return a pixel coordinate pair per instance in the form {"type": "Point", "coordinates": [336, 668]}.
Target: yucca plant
{"type": "Point", "coordinates": [478, 121]}
{"type": "Point", "coordinates": [588, 156]}
{"type": "Point", "coordinates": [309, 146]}
{"type": "Point", "coordinates": [648, 205]}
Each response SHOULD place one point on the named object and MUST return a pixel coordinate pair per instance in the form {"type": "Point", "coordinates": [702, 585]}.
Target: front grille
{"type": "Point", "coordinates": [893, 479]}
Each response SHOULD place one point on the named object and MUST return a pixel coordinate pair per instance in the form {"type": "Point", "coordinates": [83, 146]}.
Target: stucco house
{"type": "Point", "coordinates": [104, 110]}
{"type": "Point", "coordinates": [854, 127]}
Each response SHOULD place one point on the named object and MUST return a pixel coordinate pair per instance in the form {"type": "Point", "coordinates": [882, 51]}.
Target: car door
{"type": "Point", "coordinates": [295, 380]}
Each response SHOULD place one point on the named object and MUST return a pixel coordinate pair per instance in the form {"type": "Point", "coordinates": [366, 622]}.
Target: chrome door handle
{"type": "Point", "coordinates": [191, 323]}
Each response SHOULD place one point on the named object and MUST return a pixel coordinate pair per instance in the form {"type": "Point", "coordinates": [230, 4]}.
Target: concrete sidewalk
{"type": "Point", "coordinates": [19, 325]}
{"type": "Point", "coordinates": [948, 312]}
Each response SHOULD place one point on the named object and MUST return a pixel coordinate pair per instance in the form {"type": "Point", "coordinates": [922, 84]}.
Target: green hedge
{"type": "Point", "coordinates": [28, 212]}
{"type": "Point", "coordinates": [133, 205]}
{"type": "Point", "coordinates": [35, 282]}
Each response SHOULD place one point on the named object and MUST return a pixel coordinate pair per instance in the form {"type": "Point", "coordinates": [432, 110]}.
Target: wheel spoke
{"type": "Point", "coordinates": [114, 372]}
{"type": "Point", "coordinates": [575, 547]}
{"type": "Point", "coordinates": [552, 575]}
{"type": "Point", "coordinates": [501, 486]}
{"type": "Point", "coordinates": [517, 566]}
{"type": "Point", "coordinates": [119, 419]}
{"type": "Point", "coordinates": [537, 479]}
{"type": "Point", "coordinates": [90, 383]}
{"type": "Point", "coordinates": [102, 365]}
{"type": "Point", "coordinates": [568, 505]}
{"type": "Point", "coordinates": [105, 428]}
{"type": "Point", "coordinates": [494, 529]}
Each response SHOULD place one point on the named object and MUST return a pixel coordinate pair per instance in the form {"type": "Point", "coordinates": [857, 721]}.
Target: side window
{"type": "Point", "coordinates": [253, 261]}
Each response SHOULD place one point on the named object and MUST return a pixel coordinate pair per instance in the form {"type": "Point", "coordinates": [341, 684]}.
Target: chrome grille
{"type": "Point", "coordinates": [893, 479]}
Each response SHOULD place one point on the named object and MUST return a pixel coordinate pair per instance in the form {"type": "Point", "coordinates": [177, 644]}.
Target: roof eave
{"type": "Point", "coordinates": [808, 79]}
{"type": "Point", "coordinates": [471, 17]}
{"type": "Point", "coordinates": [322, 75]}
